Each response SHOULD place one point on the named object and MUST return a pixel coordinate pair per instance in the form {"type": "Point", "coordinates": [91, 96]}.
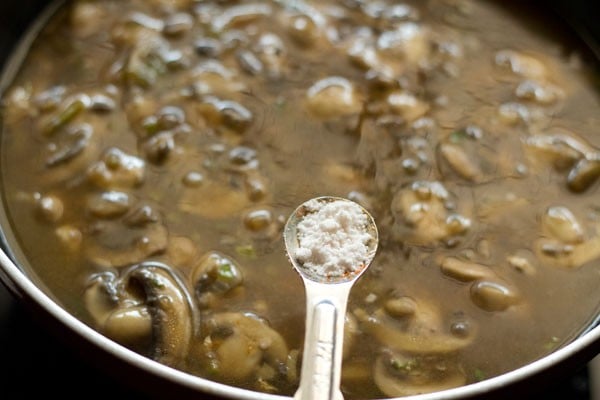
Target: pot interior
{"type": "Point", "coordinates": [162, 164]}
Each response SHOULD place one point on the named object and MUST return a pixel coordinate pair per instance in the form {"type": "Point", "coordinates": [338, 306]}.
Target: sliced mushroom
{"type": "Point", "coordinates": [102, 103]}
{"type": "Point", "coordinates": [249, 62]}
{"type": "Point", "coordinates": [49, 208]}
{"type": "Point", "coordinates": [178, 24]}
{"type": "Point", "coordinates": [148, 59]}
{"type": "Point", "coordinates": [408, 40]}
{"type": "Point", "coordinates": [160, 147]}
{"type": "Point", "coordinates": [240, 14]}
{"type": "Point", "coordinates": [421, 215]}
{"type": "Point", "coordinates": [407, 105]}
{"type": "Point", "coordinates": [101, 296]}
{"type": "Point", "coordinates": [69, 152]}
{"type": "Point", "coordinates": [239, 345]}
{"type": "Point", "coordinates": [256, 185]}
{"type": "Point", "coordinates": [147, 307]}
{"type": "Point", "coordinates": [561, 148]}
{"type": "Point", "coordinates": [513, 113]}
{"type": "Point", "coordinates": [261, 223]}
{"type": "Point", "coordinates": [126, 240]}
{"type": "Point", "coordinates": [464, 271]}
{"type": "Point", "coordinates": [302, 29]}
{"type": "Point", "coordinates": [258, 220]}
{"type": "Point", "coordinates": [419, 333]}
{"type": "Point", "coordinates": [214, 274]}
{"type": "Point", "coordinates": [401, 307]}
{"type": "Point", "coordinates": [469, 154]}
{"type": "Point", "coordinates": [397, 374]}
{"type": "Point", "coordinates": [130, 326]}
{"type": "Point", "coordinates": [522, 263]}
{"type": "Point", "coordinates": [70, 236]}
{"type": "Point", "coordinates": [460, 162]}
{"type": "Point", "coordinates": [585, 252]}
{"type": "Point", "coordinates": [138, 18]}
{"type": "Point", "coordinates": [227, 113]}
{"type": "Point", "coordinates": [109, 204]}
{"type": "Point", "coordinates": [333, 97]}
{"type": "Point", "coordinates": [540, 92]}
{"type": "Point", "coordinates": [380, 68]}
{"type": "Point", "coordinates": [584, 174]}
{"type": "Point", "coordinates": [213, 78]}
{"type": "Point", "coordinates": [560, 223]}
{"type": "Point", "coordinates": [271, 50]}
{"type": "Point", "coordinates": [170, 306]}
{"type": "Point", "coordinates": [117, 169]}
{"type": "Point", "coordinates": [522, 64]}
{"type": "Point", "coordinates": [556, 253]}
{"type": "Point", "coordinates": [493, 295]}
{"type": "Point", "coordinates": [69, 145]}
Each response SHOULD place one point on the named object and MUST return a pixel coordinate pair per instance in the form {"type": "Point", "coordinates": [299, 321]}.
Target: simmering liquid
{"type": "Point", "coordinates": [152, 150]}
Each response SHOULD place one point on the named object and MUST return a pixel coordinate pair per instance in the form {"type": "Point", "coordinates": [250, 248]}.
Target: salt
{"type": "Point", "coordinates": [333, 238]}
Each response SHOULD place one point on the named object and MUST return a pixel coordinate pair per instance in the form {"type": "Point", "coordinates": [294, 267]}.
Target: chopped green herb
{"type": "Point", "coordinates": [226, 271]}
{"type": "Point", "coordinates": [144, 70]}
{"type": "Point", "coordinates": [213, 367]}
{"type": "Point", "coordinates": [479, 375]}
{"type": "Point", "coordinates": [64, 117]}
{"type": "Point", "coordinates": [552, 343]}
{"type": "Point", "coordinates": [246, 250]}
{"type": "Point", "coordinates": [458, 136]}
{"type": "Point", "coordinates": [280, 103]}
{"type": "Point", "coordinates": [403, 365]}
{"type": "Point", "coordinates": [156, 283]}
{"type": "Point", "coordinates": [150, 125]}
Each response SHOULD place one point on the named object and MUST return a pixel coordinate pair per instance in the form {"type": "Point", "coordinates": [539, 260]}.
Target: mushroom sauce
{"type": "Point", "coordinates": [152, 150]}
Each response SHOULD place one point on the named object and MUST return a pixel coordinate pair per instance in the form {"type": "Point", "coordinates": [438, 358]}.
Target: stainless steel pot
{"type": "Point", "coordinates": [155, 379]}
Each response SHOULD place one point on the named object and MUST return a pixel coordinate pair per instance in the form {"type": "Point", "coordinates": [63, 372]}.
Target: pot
{"type": "Point", "coordinates": [129, 371]}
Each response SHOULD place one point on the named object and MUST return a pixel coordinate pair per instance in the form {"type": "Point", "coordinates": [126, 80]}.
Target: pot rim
{"type": "Point", "coordinates": [23, 288]}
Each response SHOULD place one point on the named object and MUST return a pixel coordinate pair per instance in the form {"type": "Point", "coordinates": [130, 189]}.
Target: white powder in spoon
{"type": "Point", "coordinates": [333, 238]}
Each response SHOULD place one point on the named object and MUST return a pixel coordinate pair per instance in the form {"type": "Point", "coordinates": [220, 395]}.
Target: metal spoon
{"type": "Point", "coordinates": [326, 300]}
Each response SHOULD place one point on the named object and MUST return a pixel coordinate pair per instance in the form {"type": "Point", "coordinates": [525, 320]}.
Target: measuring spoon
{"type": "Point", "coordinates": [326, 299]}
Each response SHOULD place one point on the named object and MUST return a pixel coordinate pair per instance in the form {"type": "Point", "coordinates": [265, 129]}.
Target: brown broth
{"type": "Point", "coordinates": [457, 124]}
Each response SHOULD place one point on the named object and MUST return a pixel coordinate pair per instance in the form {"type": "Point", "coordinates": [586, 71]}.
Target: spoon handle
{"type": "Point", "coordinates": [323, 342]}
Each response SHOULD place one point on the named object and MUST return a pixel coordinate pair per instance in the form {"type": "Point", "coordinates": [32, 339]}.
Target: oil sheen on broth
{"type": "Point", "coordinates": [152, 150]}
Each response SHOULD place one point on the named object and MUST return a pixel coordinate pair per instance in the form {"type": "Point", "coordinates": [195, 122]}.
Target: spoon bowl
{"type": "Point", "coordinates": [369, 238]}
